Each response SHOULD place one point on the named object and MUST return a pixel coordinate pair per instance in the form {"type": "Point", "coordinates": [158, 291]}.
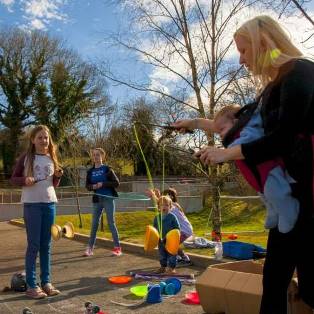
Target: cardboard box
{"type": "Point", "coordinates": [236, 288]}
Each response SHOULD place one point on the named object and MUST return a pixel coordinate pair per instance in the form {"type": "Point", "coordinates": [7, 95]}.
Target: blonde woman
{"type": "Point", "coordinates": [285, 90]}
{"type": "Point", "coordinates": [38, 172]}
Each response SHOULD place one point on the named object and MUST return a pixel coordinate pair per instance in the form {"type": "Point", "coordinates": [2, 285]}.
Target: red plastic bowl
{"type": "Point", "coordinates": [120, 279]}
{"type": "Point", "coordinates": [192, 297]}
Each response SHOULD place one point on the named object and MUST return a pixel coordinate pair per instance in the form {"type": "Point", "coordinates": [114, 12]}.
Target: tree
{"type": "Point", "coordinates": [71, 92]}
{"type": "Point", "coordinates": [292, 8]}
{"type": "Point", "coordinates": [187, 44]}
{"type": "Point", "coordinates": [43, 82]}
{"type": "Point", "coordinates": [24, 58]}
{"type": "Point", "coordinates": [141, 115]}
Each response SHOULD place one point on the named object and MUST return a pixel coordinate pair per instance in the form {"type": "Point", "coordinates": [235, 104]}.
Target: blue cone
{"type": "Point", "coordinates": [170, 289]}
{"type": "Point", "coordinates": [176, 282]}
{"type": "Point", "coordinates": [154, 294]}
{"type": "Point", "coordinates": [162, 285]}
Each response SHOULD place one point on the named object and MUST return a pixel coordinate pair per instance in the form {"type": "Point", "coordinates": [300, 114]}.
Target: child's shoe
{"type": "Point", "coordinates": [186, 260]}
{"type": "Point", "coordinates": [117, 251]}
{"type": "Point", "coordinates": [88, 252]}
{"type": "Point", "coordinates": [179, 259]}
{"type": "Point", "coordinates": [50, 290]}
{"type": "Point", "coordinates": [161, 270]}
{"type": "Point", "coordinates": [35, 293]}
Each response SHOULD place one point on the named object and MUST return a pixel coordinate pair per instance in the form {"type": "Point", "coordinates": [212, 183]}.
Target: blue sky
{"type": "Point", "coordinates": [84, 25]}
{"type": "Point", "coordinates": [80, 22]}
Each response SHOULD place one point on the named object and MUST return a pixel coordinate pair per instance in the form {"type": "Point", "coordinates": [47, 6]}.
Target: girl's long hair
{"type": "Point", "coordinates": [30, 152]}
{"type": "Point", "coordinates": [172, 193]}
{"type": "Point", "coordinates": [271, 47]}
{"type": "Point", "coordinates": [101, 151]}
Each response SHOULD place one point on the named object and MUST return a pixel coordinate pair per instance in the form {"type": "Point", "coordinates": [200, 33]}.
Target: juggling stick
{"type": "Point", "coordinates": [164, 275]}
{"type": "Point", "coordinates": [129, 304]}
{"type": "Point", "coordinates": [188, 281]}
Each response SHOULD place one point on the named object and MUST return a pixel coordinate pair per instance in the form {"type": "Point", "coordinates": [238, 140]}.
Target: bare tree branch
{"type": "Point", "coordinates": [297, 4]}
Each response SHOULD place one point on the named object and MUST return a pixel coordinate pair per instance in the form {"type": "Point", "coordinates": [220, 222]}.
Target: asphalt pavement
{"type": "Point", "coordinates": [82, 279]}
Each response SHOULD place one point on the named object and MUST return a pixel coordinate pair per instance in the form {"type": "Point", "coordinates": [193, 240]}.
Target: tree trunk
{"type": "Point", "coordinates": [216, 210]}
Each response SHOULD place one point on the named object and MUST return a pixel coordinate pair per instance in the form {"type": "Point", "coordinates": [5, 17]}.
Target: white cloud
{"type": "Point", "coordinates": [37, 24]}
{"type": "Point", "coordinates": [157, 85]}
{"type": "Point", "coordinates": [7, 2]}
{"type": "Point", "coordinates": [163, 79]}
{"type": "Point", "coordinates": [44, 9]}
{"type": "Point", "coordinates": [42, 12]}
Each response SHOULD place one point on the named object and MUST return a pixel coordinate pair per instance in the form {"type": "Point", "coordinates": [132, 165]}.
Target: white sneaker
{"type": "Point", "coordinates": [88, 252]}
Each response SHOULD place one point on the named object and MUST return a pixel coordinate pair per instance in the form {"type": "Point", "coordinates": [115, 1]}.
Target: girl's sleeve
{"type": "Point", "coordinates": [18, 177]}
{"type": "Point", "coordinates": [296, 99]}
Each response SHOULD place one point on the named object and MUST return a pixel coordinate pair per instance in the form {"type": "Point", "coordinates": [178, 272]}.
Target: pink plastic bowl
{"type": "Point", "coordinates": [192, 297]}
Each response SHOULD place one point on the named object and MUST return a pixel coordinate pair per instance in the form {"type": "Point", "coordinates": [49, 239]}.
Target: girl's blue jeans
{"type": "Point", "coordinates": [38, 218]}
{"type": "Point", "coordinates": [165, 258]}
{"type": "Point", "coordinates": [109, 206]}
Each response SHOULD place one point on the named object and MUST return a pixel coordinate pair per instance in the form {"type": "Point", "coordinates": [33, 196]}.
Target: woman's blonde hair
{"type": "Point", "coordinates": [271, 46]}
{"type": "Point", "coordinates": [31, 151]}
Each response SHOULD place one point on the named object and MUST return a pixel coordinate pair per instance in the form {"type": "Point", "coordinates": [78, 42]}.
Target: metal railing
{"type": "Point", "coordinates": [10, 196]}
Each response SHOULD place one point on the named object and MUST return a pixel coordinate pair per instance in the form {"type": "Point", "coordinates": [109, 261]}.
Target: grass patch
{"type": "Point", "coordinates": [246, 218]}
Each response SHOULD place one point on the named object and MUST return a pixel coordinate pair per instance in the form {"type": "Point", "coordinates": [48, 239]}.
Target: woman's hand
{"type": "Point", "coordinates": [184, 125]}
{"type": "Point", "coordinates": [212, 155]}
{"type": "Point", "coordinates": [29, 181]}
{"type": "Point", "coordinates": [58, 173]}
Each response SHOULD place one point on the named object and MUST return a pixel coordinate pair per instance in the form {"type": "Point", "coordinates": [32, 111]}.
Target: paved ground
{"type": "Point", "coordinates": [80, 279]}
